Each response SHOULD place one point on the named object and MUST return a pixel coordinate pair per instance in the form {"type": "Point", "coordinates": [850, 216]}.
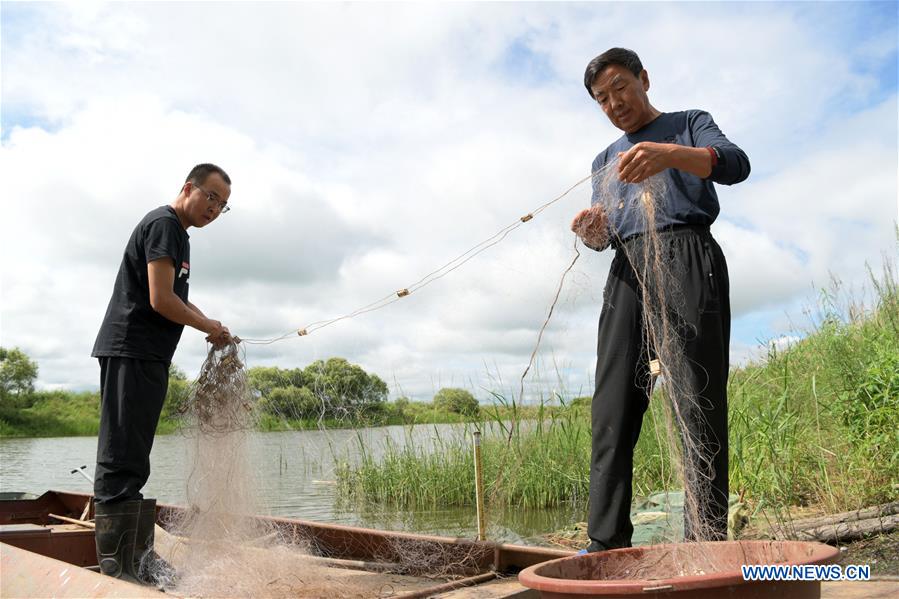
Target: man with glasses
{"type": "Point", "coordinates": [143, 324]}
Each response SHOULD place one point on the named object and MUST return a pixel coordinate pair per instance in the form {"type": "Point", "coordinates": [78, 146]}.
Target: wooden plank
{"type": "Point", "coordinates": [435, 591]}
{"type": "Point", "coordinates": [83, 523]}
{"type": "Point", "coordinates": [502, 588]}
{"type": "Point", "coordinates": [27, 574]}
{"type": "Point", "coordinates": [22, 529]}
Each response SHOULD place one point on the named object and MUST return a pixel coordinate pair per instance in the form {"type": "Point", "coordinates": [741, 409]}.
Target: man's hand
{"type": "Point", "coordinates": [218, 334]}
{"type": "Point", "coordinates": [644, 160]}
{"type": "Point", "coordinates": [648, 158]}
{"type": "Point", "coordinates": [592, 226]}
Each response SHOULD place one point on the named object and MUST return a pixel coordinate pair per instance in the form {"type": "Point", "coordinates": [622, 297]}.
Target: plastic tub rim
{"type": "Point", "coordinates": [822, 554]}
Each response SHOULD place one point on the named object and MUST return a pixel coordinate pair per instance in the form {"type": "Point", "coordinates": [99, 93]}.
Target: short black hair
{"type": "Point", "coordinates": [620, 56]}
{"type": "Point", "coordinates": [201, 172]}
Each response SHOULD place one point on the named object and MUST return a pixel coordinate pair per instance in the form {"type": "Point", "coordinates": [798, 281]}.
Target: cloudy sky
{"type": "Point", "coordinates": [371, 143]}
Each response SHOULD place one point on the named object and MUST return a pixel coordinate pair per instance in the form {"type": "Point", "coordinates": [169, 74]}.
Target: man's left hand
{"type": "Point", "coordinates": [220, 337]}
{"type": "Point", "coordinates": [643, 161]}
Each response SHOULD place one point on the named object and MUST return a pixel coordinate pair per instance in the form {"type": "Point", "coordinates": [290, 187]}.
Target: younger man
{"type": "Point", "coordinates": [135, 345]}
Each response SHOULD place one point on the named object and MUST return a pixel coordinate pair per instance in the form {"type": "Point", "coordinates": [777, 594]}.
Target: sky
{"type": "Point", "coordinates": [369, 144]}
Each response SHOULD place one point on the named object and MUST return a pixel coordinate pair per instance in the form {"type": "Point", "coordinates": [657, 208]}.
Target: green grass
{"type": "Point", "coordinates": [424, 415]}
{"type": "Point", "coordinates": [541, 466]}
{"type": "Point", "coordinates": [411, 413]}
{"type": "Point", "coordinates": [817, 423]}
{"type": "Point", "coordinates": [67, 413]}
{"type": "Point", "coordinates": [52, 414]}
{"type": "Point", "coordinates": [813, 424]}
{"type": "Point", "coordinates": [58, 414]}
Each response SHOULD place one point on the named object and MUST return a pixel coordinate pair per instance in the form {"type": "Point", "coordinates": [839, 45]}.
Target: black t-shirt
{"type": "Point", "coordinates": [131, 328]}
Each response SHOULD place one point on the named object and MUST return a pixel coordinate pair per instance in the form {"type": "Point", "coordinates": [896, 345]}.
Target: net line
{"type": "Point", "coordinates": [432, 276]}
{"type": "Point", "coordinates": [664, 328]}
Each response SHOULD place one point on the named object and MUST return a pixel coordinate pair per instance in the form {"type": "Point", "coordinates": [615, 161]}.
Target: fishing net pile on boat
{"type": "Point", "coordinates": [219, 548]}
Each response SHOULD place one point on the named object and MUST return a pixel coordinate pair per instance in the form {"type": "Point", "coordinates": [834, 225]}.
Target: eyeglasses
{"type": "Point", "coordinates": [210, 197]}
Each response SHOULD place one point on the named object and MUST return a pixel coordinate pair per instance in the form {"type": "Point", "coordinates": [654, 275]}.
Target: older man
{"type": "Point", "coordinates": [690, 153]}
{"type": "Point", "coordinates": [143, 324]}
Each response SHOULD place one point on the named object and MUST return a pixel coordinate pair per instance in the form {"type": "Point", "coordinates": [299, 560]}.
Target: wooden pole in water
{"type": "Point", "coordinates": [479, 486]}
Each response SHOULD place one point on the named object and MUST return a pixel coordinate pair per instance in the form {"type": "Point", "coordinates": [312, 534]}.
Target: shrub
{"type": "Point", "coordinates": [292, 403]}
{"type": "Point", "coordinates": [455, 400]}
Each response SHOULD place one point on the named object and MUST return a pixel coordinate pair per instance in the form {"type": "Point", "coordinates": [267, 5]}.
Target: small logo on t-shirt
{"type": "Point", "coordinates": [185, 270]}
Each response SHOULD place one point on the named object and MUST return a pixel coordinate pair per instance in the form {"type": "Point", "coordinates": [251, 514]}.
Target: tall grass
{"type": "Point", "coordinates": [814, 423]}
{"type": "Point", "coordinates": [817, 422]}
{"type": "Point", "coordinates": [539, 466]}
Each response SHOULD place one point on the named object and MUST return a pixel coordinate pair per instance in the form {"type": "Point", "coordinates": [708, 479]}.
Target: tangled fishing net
{"type": "Point", "coordinates": [219, 400]}
{"type": "Point", "coordinates": [220, 548]}
{"type": "Point", "coordinates": [592, 227]}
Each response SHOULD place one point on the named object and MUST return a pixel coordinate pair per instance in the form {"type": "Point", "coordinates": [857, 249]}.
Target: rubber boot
{"type": "Point", "coordinates": [149, 566]}
{"type": "Point", "coordinates": [115, 533]}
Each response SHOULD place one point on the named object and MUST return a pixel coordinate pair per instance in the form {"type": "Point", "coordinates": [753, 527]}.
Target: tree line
{"type": "Point", "coordinates": [333, 390]}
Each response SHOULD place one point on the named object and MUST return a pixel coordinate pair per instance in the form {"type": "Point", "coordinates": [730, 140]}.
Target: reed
{"type": "Point", "coordinates": [813, 423]}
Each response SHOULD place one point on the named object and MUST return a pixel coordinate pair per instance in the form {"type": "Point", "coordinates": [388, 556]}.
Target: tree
{"type": "Point", "coordinates": [401, 404]}
{"type": "Point", "coordinates": [345, 389]}
{"type": "Point", "coordinates": [455, 400]}
{"type": "Point", "coordinates": [263, 379]}
{"type": "Point", "coordinates": [291, 403]}
{"type": "Point", "coordinates": [177, 394]}
{"type": "Point", "coordinates": [399, 409]}
{"type": "Point", "coordinates": [17, 375]}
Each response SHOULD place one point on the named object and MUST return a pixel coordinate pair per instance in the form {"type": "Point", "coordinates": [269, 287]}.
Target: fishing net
{"type": "Point", "coordinates": [220, 549]}
{"type": "Point", "coordinates": [219, 402]}
{"type": "Point", "coordinates": [593, 227]}
{"type": "Point", "coordinates": [218, 545]}
{"type": "Point", "coordinates": [666, 327]}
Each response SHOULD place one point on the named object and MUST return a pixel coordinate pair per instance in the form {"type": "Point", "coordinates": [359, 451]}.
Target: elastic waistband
{"type": "Point", "coordinates": [673, 230]}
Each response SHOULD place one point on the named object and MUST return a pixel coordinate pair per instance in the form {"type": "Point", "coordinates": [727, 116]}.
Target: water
{"type": "Point", "coordinates": [295, 477]}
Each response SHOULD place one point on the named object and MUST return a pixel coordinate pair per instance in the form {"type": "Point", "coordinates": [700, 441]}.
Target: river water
{"type": "Point", "coordinates": [294, 474]}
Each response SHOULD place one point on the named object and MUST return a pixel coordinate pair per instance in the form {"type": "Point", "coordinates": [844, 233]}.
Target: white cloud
{"type": "Point", "coordinates": [784, 342]}
{"type": "Point", "coordinates": [370, 144]}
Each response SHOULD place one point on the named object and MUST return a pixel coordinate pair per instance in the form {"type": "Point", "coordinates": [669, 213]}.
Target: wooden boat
{"type": "Point", "coordinates": [47, 549]}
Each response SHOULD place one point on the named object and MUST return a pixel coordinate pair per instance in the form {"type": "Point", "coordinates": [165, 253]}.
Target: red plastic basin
{"type": "Point", "coordinates": [696, 570]}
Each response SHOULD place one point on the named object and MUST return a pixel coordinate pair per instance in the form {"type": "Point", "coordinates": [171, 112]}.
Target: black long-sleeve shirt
{"type": "Point", "coordinates": [688, 199]}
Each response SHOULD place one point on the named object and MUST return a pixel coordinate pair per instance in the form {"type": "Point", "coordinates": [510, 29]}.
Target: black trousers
{"type": "Point", "coordinates": [131, 396]}
{"type": "Point", "coordinates": [623, 384]}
